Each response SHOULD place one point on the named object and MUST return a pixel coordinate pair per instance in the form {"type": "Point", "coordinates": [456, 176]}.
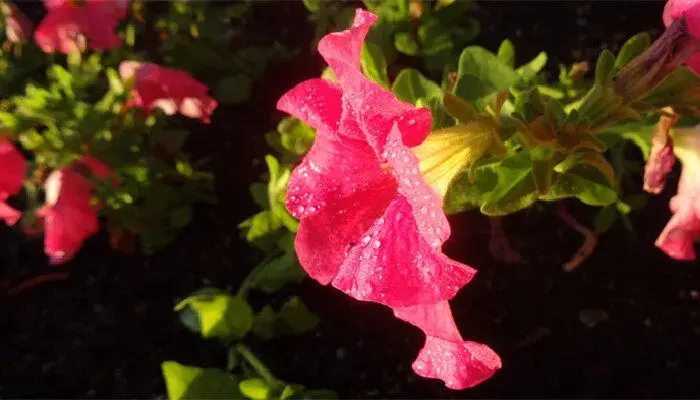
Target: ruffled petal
{"type": "Point", "coordinates": [324, 239]}
{"type": "Point", "coordinates": [392, 264]}
{"type": "Point", "coordinates": [8, 214]}
{"type": "Point", "coordinates": [69, 216]}
{"type": "Point", "coordinates": [168, 89]}
{"type": "Point", "coordinates": [342, 50]}
{"type": "Point", "coordinates": [333, 169]}
{"type": "Point", "coordinates": [460, 365]}
{"type": "Point", "coordinates": [445, 355]}
{"type": "Point", "coordinates": [315, 101]}
{"type": "Point", "coordinates": [683, 229]}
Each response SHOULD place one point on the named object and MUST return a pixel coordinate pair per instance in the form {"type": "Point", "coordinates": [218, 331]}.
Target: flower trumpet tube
{"type": "Point", "coordinates": [370, 224]}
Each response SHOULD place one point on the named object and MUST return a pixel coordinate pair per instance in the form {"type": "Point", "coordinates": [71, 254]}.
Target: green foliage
{"type": "Point", "coordinates": [186, 382]}
{"type": "Point", "coordinates": [202, 38]}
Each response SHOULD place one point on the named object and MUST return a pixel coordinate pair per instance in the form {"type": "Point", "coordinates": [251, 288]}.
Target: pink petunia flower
{"type": "Point", "coordinates": [72, 24]}
{"type": "Point", "coordinates": [171, 90]}
{"type": "Point", "coordinates": [370, 224]}
{"type": "Point", "coordinates": [683, 229]}
{"type": "Point", "coordinates": [13, 168]}
{"type": "Point", "coordinates": [674, 10]}
{"type": "Point", "coordinates": [17, 26]}
{"type": "Point", "coordinates": [69, 216]}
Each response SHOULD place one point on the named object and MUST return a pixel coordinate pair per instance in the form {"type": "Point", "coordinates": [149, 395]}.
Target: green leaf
{"type": "Point", "coordinates": [463, 194]}
{"type": "Point", "coordinates": [604, 219]}
{"type": "Point", "coordinates": [542, 168]}
{"type": "Point", "coordinates": [587, 176]}
{"type": "Point", "coordinates": [279, 177]}
{"type": "Point", "coordinates": [506, 53]}
{"type": "Point", "coordinates": [435, 38]}
{"type": "Point", "coordinates": [295, 135]}
{"type": "Point", "coordinates": [261, 229]}
{"type": "Point", "coordinates": [255, 389]}
{"type": "Point", "coordinates": [264, 323]}
{"type": "Point", "coordinates": [374, 64]}
{"type": "Point", "coordinates": [410, 86]}
{"type": "Point", "coordinates": [297, 317]}
{"type": "Point", "coordinates": [677, 90]}
{"type": "Point", "coordinates": [605, 68]}
{"type": "Point", "coordinates": [312, 5]}
{"type": "Point", "coordinates": [480, 73]}
{"type": "Point", "coordinates": [234, 89]}
{"type": "Point", "coordinates": [406, 43]}
{"type": "Point", "coordinates": [186, 382]}
{"type": "Point", "coordinates": [216, 314]}
{"type": "Point", "coordinates": [277, 273]}
{"type": "Point", "coordinates": [632, 48]}
{"type": "Point", "coordinates": [528, 71]}
{"type": "Point", "coordinates": [181, 216]}
{"type": "Point", "coordinates": [516, 188]}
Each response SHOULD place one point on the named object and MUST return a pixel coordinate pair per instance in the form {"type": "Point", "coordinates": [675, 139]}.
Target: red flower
{"type": "Point", "coordinates": [69, 216]}
{"type": "Point", "coordinates": [17, 26]}
{"type": "Point", "coordinates": [370, 224]}
{"type": "Point", "coordinates": [171, 90]}
{"type": "Point", "coordinates": [679, 235]}
{"type": "Point", "coordinates": [13, 168]}
{"type": "Point", "coordinates": [69, 26]}
{"type": "Point", "coordinates": [675, 9]}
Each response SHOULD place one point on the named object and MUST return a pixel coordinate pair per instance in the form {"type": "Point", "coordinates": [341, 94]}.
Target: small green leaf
{"type": "Point", "coordinates": [186, 382]}
{"type": "Point", "coordinates": [234, 89]}
{"type": "Point", "coordinates": [480, 73]}
{"type": "Point", "coordinates": [506, 53]}
{"type": "Point", "coordinates": [587, 176]}
{"type": "Point", "coordinates": [633, 47]}
{"type": "Point", "coordinates": [463, 194]}
{"type": "Point", "coordinates": [410, 86]}
{"type": "Point", "coordinates": [297, 316]}
{"type": "Point", "coordinates": [216, 314]}
{"type": "Point", "coordinates": [605, 68]}
{"type": "Point", "coordinates": [604, 219]}
{"type": "Point", "coordinates": [255, 389]}
{"type": "Point", "coordinates": [278, 272]}
{"type": "Point", "coordinates": [528, 71]}
{"type": "Point", "coordinates": [374, 64]}
{"type": "Point", "coordinates": [435, 38]}
{"type": "Point", "coordinates": [264, 324]}
{"type": "Point", "coordinates": [405, 42]}
{"type": "Point", "coordinates": [312, 5]}
{"type": "Point", "coordinates": [516, 188]}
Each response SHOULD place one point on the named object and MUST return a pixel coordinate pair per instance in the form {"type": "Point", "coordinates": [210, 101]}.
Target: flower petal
{"type": "Point", "coordinates": [8, 214]}
{"type": "Point", "coordinates": [445, 355]}
{"type": "Point", "coordinates": [392, 264]}
{"type": "Point", "coordinates": [315, 101]}
{"type": "Point", "coordinates": [13, 168]}
{"type": "Point", "coordinates": [342, 50]}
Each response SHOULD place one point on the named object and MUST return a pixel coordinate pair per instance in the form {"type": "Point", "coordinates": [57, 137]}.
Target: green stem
{"type": "Point", "coordinates": [257, 365]}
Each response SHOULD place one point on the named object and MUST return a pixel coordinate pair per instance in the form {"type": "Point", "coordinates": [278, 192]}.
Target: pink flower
{"type": "Point", "coordinates": [69, 26]}
{"type": "Point", "coordinates": [171, 90]}
{"type": "Point", "coordinates": [69, 216]}
{"type": "Point", "coordinates": [13, 168]}
{"type": "Point", "coordinates": [17, 26]}
{"type": "Point", "coordinates": [679, 235]}
{"type": "Point", "coordinates": [370, 224]}
{"type": "Point", "coordinates": [674, 10]}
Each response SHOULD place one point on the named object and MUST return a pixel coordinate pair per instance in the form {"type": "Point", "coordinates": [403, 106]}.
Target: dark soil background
{"type": "Point", "coordinates": [625, 324]}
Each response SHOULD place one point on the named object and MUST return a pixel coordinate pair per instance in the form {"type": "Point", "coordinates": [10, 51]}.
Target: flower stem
{"type": "Point", "coordinates": [589, 244]}
{"type": "Point", "coordinates": [257, 365]}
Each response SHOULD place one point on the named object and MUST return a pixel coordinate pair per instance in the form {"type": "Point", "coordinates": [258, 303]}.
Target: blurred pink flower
{"type": "Point", "coordinates": [69, 217]}
{"type": "Point", "coordinates": [683, 229]}
{"type": "Point", "coordinates": [13, 168]}
{"type": "Point", "coordinates": [370, 224]}
{"type": "Point", "coordinates": [72, 24]}
{"type": "Point", "coordinates": [171, 90]}
{"type": "Point", "coordinates": [17, 26]}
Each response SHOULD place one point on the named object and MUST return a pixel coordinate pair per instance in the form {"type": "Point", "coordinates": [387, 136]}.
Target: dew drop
{"type": "Point", "coordinates": [376, 244]}
{"type": "Point", "coordinates": [365, 240]}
